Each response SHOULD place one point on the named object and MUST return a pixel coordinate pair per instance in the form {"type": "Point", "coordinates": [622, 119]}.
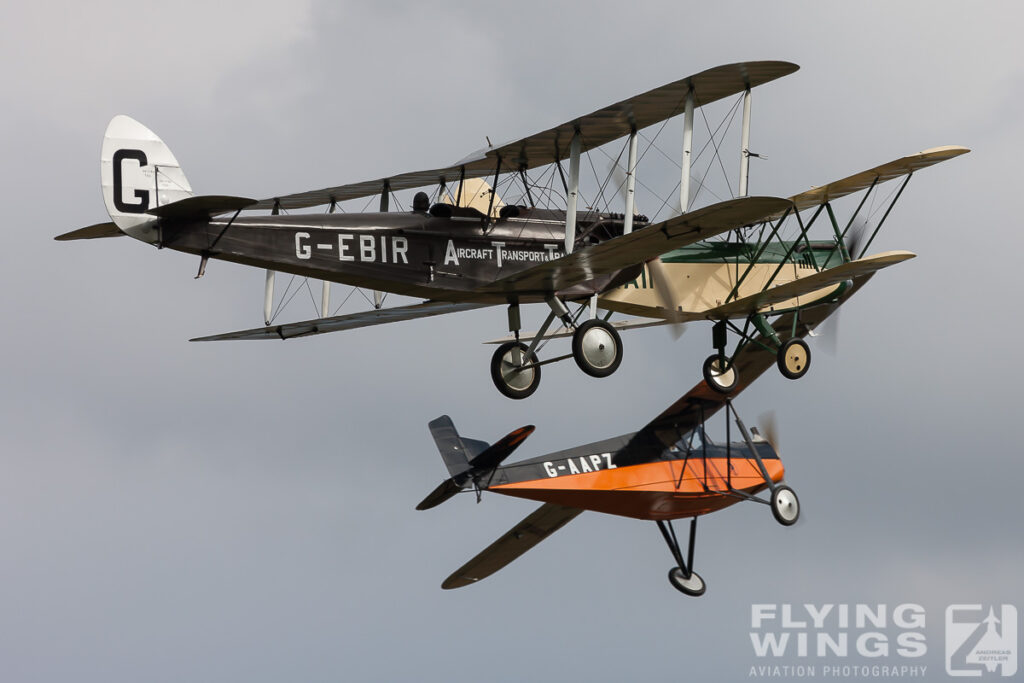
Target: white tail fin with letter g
{"type": "Point", "coordinates": [139, 173]}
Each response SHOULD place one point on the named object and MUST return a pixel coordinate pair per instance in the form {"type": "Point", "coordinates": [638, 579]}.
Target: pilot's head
{"type": "Point", "coordinates": [421, 202]}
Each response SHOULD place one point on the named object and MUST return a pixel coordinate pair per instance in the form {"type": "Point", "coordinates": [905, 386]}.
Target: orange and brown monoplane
{"type": "Point", "coordinates": [668, 470]}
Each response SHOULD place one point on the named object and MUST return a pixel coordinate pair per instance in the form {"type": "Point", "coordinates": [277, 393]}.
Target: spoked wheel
{"type": "Point", "coordinates": [694, 585]}
{"type": "Point", "coordinates": [597, 348]}
{"type": "Point", "coordinates": [509, 377]}
{"type": "Point", "coordinates": [794, 358]}
{"type": "Point", "coordinates": [721, 381]}
{"type": "Point", "coordinates": [785, 505]}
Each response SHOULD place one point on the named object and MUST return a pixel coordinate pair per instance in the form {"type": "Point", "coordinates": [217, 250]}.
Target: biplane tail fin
{"type": "Point", "coordinates": [467, 460]}
{"type": "Point", "coordinates": [139, 174]}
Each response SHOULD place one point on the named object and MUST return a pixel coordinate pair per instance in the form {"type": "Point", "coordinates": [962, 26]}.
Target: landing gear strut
{"type": "Point", "coordinates": [782, 499]}
{"type": "Point", "coordinates": [515, 368]}
{"type": "Point", "coordinates": [793, 356]}
{"type": "Point", "coordinates": [682, 577]}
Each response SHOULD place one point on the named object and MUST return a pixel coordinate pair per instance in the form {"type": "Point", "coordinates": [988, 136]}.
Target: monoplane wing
{"type": "Point", "coordinates": [701, 402]}
{"type": "Point", "coordinates": [805, 285]}
{"type": "Point", "coordinates": [545, 520]}
{"type": "Point", "coordinates": [552, 145]}
{"type": "Point", "coordinates": [377, 316]}
{"type": "Point", "coordinates": [639, 246]}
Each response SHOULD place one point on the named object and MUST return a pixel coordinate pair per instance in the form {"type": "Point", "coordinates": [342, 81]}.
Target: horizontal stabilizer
{"type": "Point", "coordinates": [806, 285]}
{"type": "Point", "coordinates": [377, 316]}
{"type": "Point", "coordinates": [202, 206]}
{"type": "Point", "coordinates": [90, 233]}
{"type": "Point", "coordinates": [493, 456]}
{"type": "Point", "coordinates": [545, 520]}
{"type": "Point", "coordinates": [445, 490]}
{"type": "Point", "coordinates": [467, 459]}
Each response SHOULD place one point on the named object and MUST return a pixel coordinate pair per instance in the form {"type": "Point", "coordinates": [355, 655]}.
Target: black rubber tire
{"type": "Point", "coordinates": [600, 328]}
{"type": "Point", "coordinates": [794, 358]}
{"type": "Point", "coordinates": [714, 378]}
{"type": "Point", "coordinates": [787, 510]}
{"type": "Point", "coordinates": [687, 586]}
{"type": "Point", "coordinates": [500, 366]}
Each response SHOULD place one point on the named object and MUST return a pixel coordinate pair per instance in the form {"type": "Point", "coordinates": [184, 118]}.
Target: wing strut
{"type": "Point", "coordinates": [325, 288]}
{"type": "Point", "coordinates": [879, 226]}
{"type": "Point", "coordinates": [573, 190]}
{"type": "Point", "coordinates": [627, 226]}
{"type": "Point", "coordinates": [764, 246]}
{"type": "Point", "coordinates": [745, 144]}
{"type": "Point", "coordinates": [268, 287]}
{"type": "Point", "coordinates": [684, 185]}
{"type": "Point", "coordinates": [385, 192]}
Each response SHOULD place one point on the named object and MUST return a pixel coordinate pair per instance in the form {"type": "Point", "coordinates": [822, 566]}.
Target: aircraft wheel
{"type": "Point", "coordinates": [785, 505]}
{"type": "Point", "coordinates": [722, 382]}
{"type": "Point", "coordinates": [794, 358]}
{"type": "Point", "coordinates": [507, 375]}
{"type": "Point", "coordinates": [597, 348]}
{"type": "Point", "coordinates": [694, 585]}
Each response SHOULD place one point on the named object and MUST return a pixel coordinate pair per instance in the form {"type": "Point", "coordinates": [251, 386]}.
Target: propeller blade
{"type": "Point", "coordinates": [855, 237]}
{"type": "Point", "coordinates": [618, 178]}
{"type": "Point", "coordinates": [828, 337]}
{"type": "Point", "coordinates": [666, 293]}
{"type": "Point", "coordinates": [769, 428]}
{"type": "Point", "coordinates": [662, 282]}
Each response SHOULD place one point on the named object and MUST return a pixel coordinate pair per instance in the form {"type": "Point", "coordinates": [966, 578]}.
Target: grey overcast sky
{"type": "Point", "coordinates": [244, 512]}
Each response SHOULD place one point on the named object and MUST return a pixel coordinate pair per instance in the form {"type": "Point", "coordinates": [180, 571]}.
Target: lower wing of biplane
{"type": "Point", "coordinates": [667, 470]}
{"type": "Point", "coordinates": [597, 347]}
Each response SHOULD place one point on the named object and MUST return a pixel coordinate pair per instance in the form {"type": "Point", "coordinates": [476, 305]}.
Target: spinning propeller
{"type": "Point", "coordinates": [768, 427]}
{"type": "Point", "coordinates": [662, 282]}
{"type": "Point", "coordinates": [829, 335]}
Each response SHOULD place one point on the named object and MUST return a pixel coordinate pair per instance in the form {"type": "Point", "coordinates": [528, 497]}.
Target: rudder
{"type": "Point", "coordinates": [139, 174]}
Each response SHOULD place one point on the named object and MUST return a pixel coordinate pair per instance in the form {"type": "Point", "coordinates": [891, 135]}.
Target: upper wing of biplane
{"type": "Point", "coordinates": [545, 520]}
{"type": "Point", "coordinates": [377, 316]}
{"type": "Point", "coordinates": [552, 145]}
{"type": "Point", "coordinates": [701, 402]}
{"type": "Point", "coordinates": [874, 176]}
{"type": "Point", "coordinates": [640, 246]}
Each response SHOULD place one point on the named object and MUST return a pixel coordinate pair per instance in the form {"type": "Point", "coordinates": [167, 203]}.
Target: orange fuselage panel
{"type": "Point", "coordinates": [656, 490]}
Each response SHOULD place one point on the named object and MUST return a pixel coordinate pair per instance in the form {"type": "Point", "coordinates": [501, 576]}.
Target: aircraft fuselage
{"type": "Point", "coordinates": [413, 254]}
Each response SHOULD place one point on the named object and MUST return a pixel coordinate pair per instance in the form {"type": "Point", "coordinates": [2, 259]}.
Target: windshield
{"type": "Point", "coordinates": [689, 442]}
